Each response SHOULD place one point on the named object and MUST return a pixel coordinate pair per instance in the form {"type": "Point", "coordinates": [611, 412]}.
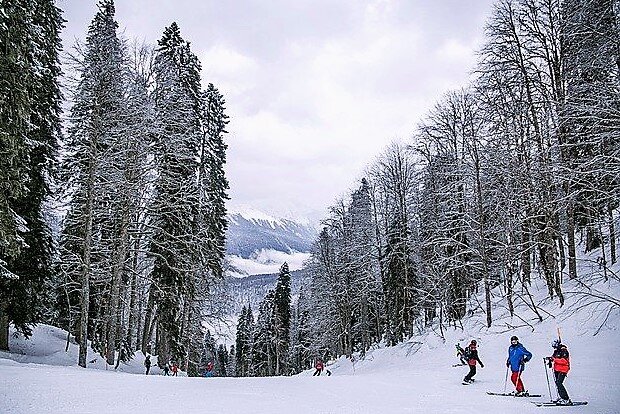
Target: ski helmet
{"type": "Point", "coordinates": [514, 338]}
{"type": "Point", "coordinates": [473, 341]}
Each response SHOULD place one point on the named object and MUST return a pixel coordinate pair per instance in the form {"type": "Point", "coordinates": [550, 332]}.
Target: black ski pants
{"type": "Point", "coordinates": [559, 380]}
{"type": "Point", "coordinates": [317, 372]}
{"type": "Point", "coordinates": [470, 375]}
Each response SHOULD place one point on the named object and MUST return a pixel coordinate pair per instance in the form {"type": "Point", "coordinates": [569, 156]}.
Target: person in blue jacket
{"type": "Point", "coordinates": [517, 357]}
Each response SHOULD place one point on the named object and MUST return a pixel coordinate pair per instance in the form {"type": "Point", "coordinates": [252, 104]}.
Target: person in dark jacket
{"type": "Point", "coordinates": [517, 357]}
{"type": "Point", "coordinates": [560, 362]}
{"type": "Point", "coordinates": [472, 353]}
{"type": "Point", "coordinates": [147, 364]}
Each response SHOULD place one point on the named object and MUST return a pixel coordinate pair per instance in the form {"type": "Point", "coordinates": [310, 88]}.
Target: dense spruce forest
{"type": "Point", "coordinates": [112, 224]}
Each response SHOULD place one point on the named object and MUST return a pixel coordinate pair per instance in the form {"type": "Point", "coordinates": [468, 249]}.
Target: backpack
{"type": "Point", "coordinates": [467, 352]}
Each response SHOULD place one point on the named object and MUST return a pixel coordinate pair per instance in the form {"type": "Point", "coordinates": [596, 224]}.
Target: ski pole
{"type": "Point", "coordinates": [506, 380]}
{"type": "Point", "coordinates": [548, 385]}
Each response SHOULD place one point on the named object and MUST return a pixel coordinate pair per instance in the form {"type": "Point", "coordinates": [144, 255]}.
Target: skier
{"type": "Point", "coordinates": [560, 362]}
{"type": "Point", "coordinates": [147, 363]}
{"type": "Point", "coordinates": [209, 372]}
{"type": "Point", "coordinates": [319, 367]}
{"type": "Point", "coordinates": [517, 357]}
{"type": "Point", "coordinates": [175, 369]}
{"type": "Point", "coordinates": [166, 370]}
{"type": "Point", "coordinates": [472, 354]}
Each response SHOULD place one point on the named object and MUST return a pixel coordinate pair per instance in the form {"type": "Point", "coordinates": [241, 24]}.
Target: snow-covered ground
{"type": "Point", "coordinates": [414, 377]}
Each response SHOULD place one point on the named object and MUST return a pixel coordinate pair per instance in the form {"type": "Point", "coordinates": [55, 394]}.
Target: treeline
{"type": "Point", "coordinates": [266, 346]}
{"type": "Point", "coordinates": [500, 182]}
{"type": "Point", "coordinates": [138, 176]}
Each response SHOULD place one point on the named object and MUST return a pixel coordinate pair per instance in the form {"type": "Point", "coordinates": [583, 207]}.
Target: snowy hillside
{"type": "Point", "coordinates": [258, 243]}
{"type": "Point", "coordinates": [414, 377]}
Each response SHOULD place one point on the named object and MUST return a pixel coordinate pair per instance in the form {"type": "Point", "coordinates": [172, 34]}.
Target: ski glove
{"type": "Point", "coordinates": [481, 365]}
{"type": "Point", "coordinates": [507, 363]}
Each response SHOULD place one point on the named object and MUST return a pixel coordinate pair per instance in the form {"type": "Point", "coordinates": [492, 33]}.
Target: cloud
{"type": "Point", "coordinates": [314, 88]}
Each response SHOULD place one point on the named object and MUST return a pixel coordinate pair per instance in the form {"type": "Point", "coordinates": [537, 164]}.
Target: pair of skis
{"type": "Point", "coordinates": [538, 403]}
{"type": "Point", "coordinates": [512, 394]}
{"type": "Point", "coordinates": [557, 404]}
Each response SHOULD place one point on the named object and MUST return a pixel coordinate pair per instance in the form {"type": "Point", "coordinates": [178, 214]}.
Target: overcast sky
{"type": "Point", "coordinates": [315, 89]}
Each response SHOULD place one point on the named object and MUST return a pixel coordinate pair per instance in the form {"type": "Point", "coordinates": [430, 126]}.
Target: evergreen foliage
{"type": "Point", "coordinates": [29, 133]}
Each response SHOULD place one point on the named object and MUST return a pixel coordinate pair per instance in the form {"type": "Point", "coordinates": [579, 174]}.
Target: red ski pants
{"type": "Point", "coordinates": [516, 380]}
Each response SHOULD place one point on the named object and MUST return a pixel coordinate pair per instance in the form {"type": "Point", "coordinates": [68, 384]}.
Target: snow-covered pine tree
{"type": "Point", "coordinates": [282, 320]}
{"type": "Point", "coordinates": [214, 184]}
{"type": "Point", "coordinates": [301, 354]}
{"type": "Point", "coordinates": [241, 341]}
{"type": "Point", "coordinates": [221, 361]}
{"type": "Point", "coordinates": [263, 348]}
{"type": "Point", "coordinates": [99, 104]}
{"type": "Point", "coordinates": [248, 361]}
{"type": "Point", "coordinates": [231, 368]}
{"type": "Point", "coordinates": [15, 104]}
{"type": "Point", "coordinates": [177, 252]}
{"type": "Point", "coordinates": [33, 124]}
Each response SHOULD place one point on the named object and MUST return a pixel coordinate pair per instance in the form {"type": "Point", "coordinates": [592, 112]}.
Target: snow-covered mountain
{"type": "Point", "coordinates": [258, 243]}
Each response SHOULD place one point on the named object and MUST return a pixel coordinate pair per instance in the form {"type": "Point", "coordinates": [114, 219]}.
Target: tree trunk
{"type": "Point", "coordinates": [119, 264]}
{"type": "Point", "coordinates": [148, 323]}
{"type": "Point", "coordinates": [603, 253]}
{"type": "Point", "coordinates": [482, 237]}
{"type": "Point", "coordinates": [4, 328]}
{"type": "Point", "coordinates": [572, 250]}
{"type": "Point", "coordinates": [133, 299]}
{"type": "Point", "coordinates": [526, 259]}
{"type": "Point", "coordinates": [85, 277]}
{"type": "Point", "coordinates": [509, 290]}
{"type": "Point", "coordinates": [139, 326]}
{"type": "Point", "coordinates": [612, 234]}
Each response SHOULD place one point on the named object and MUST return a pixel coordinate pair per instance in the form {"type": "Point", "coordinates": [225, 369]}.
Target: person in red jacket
{"type": "Point", "coordinates": [175, 369]}
{"type": "Point", "coordinates": [560, 361]}
{"type": "Point", "coordinates": [209, 372]}
{"type": "Point", "coordinates": [319, 367]}
{"type": "Point", "coordinates": [472, 356]}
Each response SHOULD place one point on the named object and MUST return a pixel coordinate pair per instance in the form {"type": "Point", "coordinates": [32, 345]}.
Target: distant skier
{"type": "Point", "coordinates": [560, 361]}
{"type": "Point", "coordinates": [471, 352]}
{"type": "Point", "coordinates": [166, 370]}
{"type": "Point", "coordinates": [147, 363]}
{"type": "Point", "coordinates": [175, 369]}
{"type": "Point", "coordinates": [517, 357]}
{"type": "Point", "coordinates": [209, 372]}
{"type": "Point", "coordinates": [319, 367]}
